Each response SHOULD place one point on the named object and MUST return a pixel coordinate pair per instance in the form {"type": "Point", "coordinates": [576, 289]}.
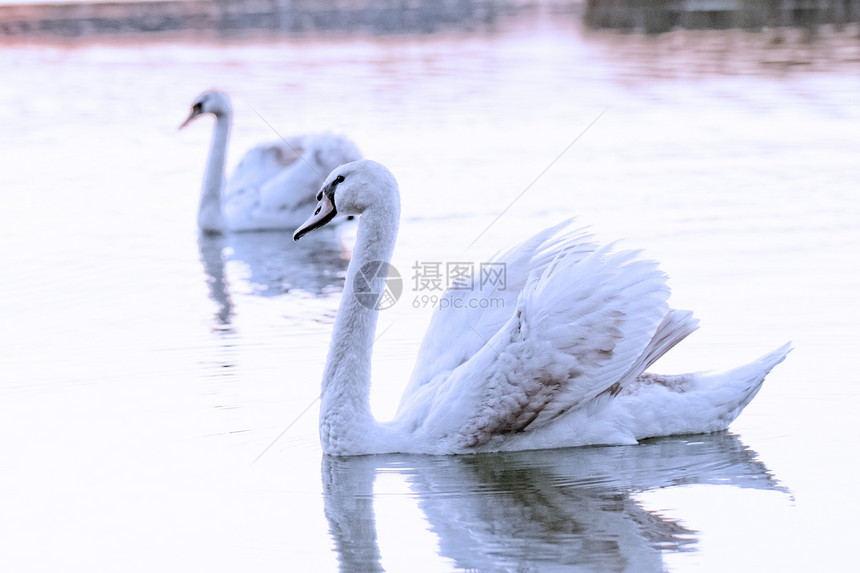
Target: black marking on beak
{"type": "Point", "coordinates": [323, 214]}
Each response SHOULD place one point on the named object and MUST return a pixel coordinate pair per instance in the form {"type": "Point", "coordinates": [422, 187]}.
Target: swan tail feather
{"type": "Point", "coordinates": [699, 403]}
{"type": "Point", "coordinates": [763, 365]}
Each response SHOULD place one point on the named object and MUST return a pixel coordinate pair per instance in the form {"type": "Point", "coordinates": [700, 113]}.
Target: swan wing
{"type": "Point", "coordinates": [263, 162]}
{"type": "Point", "coordinates": [276, 184]}
{"type": "Point", "coordinates": [295, 187]}
{"type": "Point", "coordinates": [472, 325]}
{"type": "Point", "coordinates": [578, 329]}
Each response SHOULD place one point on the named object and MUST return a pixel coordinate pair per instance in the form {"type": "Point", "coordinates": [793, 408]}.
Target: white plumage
{"type": "Point", "coordinates": [560, 363]}
{"type": "Point", "coordinates": [273, 184]}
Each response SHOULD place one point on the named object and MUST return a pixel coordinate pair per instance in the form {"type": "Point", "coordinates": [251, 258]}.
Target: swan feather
{"type": "Point", "coordinates": [561, 363]}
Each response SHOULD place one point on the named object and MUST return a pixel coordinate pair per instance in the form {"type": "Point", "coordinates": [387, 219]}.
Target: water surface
{"type": "Point", "coordinates": [158, 389]}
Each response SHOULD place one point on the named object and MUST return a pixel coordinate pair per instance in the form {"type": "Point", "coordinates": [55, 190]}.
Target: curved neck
{"type": "Point", "coordinates": [346, 422]}
{"type": "Point", "coordinates": [210, 217]}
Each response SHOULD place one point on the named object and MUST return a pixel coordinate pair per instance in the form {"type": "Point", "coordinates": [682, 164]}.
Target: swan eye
{"type": "Point", "coordinates": [337, 180]}
{"type": "Point", "coordinates": [198, 107]}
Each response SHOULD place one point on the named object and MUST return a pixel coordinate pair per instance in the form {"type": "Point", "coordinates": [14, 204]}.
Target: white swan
{"type": "Point", "coordinates": [561, 363]}
{"type": "Point", "coordinates": [274, 183]}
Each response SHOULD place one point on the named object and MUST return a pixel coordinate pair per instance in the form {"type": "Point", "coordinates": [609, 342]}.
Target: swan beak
{"type": "Point", "coordinates": [324, 213]}
{"type": "Point", "coordinates": [194, 113]}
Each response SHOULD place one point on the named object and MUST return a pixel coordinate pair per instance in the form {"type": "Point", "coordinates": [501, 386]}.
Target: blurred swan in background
{"type": "Point", "coordinates": [274, 183]}
{"type": "Point", "coordinates": [561, 363]}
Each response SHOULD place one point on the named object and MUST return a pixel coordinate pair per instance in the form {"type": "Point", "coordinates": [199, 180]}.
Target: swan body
{"type": "Point", "coordinates": [562, 362]}
{"type": "Point", "coordinates": [273, 184]}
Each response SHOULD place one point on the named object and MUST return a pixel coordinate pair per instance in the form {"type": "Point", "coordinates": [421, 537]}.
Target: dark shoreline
{"type": "Point", "coordinates": [287, 17]}
{"type": "Point", "coordinates": [300, 17]}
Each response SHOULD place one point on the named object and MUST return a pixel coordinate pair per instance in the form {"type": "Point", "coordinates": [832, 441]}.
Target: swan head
{"type": "Point", "coordinates": [213, 102]}
{"type": "Point", "coordinates": [352, 189]}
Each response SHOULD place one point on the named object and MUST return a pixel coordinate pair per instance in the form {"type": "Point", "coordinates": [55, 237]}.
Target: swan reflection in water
{"type": "Point", "coordinates": [269, 263]}
{"type": "Point", "coordinates": [525, 510]}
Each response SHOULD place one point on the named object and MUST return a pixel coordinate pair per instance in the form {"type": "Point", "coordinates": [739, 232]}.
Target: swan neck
{"type": "Point", "coordinates": [346, 422]}
{"type": "Point", "coordinates": [210, 216]}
